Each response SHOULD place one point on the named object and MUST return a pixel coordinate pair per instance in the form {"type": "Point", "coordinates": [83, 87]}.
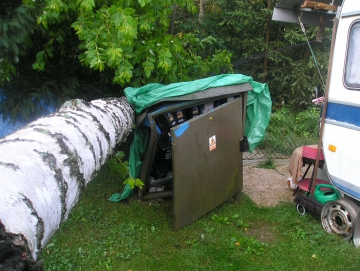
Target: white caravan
{"type": "Point", "coordinates": [341, 125]}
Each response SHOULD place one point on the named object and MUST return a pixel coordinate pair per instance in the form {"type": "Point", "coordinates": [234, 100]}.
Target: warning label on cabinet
{"type": "Point", "coordinates": [212, 143]}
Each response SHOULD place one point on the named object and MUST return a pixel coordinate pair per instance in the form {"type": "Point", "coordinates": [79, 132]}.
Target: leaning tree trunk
{"type": "Point", "coordinates": [46, 165]}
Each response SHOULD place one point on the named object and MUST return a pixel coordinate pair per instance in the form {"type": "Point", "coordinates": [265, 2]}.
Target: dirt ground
{"type": "Point", "coordinates": [267, 187]}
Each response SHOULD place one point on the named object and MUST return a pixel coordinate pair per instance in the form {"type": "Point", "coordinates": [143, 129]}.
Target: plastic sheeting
{"type": "Point", "coordinates": [127, 192]}
{"type": "Point", "coordinates": [258, 112]}
{"type": "Point", "coordinates": [137, 148]}
{"type": "Point", "coordinates": [258, 108]}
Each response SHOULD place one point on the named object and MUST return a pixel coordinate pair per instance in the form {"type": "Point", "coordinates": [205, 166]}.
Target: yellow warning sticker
{"type": "Point", "coordinates": [212, 143]}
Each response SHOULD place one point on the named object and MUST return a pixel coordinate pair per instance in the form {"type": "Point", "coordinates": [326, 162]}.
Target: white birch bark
{"type": "Point", "coordinates": [48, 163]}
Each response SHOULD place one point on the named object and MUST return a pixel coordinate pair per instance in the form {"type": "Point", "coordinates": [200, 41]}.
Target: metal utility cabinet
{"type": "Point", "coordinates": [193, 153]}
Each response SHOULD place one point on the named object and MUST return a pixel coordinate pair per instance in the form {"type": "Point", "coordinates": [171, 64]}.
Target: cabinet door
{"type": "Point", "coordinates": [207, 162]}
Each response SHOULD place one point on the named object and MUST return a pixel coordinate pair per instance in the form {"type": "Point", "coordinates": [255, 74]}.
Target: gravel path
{"type": "Point", "coordinates": [267, 187]}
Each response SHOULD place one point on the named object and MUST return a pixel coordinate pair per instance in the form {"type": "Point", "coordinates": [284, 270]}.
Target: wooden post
{"type": "Point", "coordinates": [201, 10]}
{"type": "Point", "coordinates": [267, 39]}
{"type": "Point", "coordinates": [172, 23]}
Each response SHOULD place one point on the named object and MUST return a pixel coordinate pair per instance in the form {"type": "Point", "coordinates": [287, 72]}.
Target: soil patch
{"type": "Point", "coordinates": [268, 187]}
{"type": "Point", "coordinates": [262, 232]}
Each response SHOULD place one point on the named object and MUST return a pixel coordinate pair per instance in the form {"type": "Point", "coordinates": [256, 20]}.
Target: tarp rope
{"type": "Point", "coordinates": [312, 52]}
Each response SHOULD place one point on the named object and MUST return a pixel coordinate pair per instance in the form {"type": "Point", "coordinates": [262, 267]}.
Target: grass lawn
{"type": "Point", "coordinates": [133, 235]}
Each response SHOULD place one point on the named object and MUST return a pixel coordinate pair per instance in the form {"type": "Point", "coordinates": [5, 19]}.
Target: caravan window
{"type": "Point", "coordinates": [352, 68]}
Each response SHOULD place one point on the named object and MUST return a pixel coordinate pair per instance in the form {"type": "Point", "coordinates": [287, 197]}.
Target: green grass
{"type": "Point", "coordinates": [133, 235]}
{"type": "Point", "coordinates": [268, 164]}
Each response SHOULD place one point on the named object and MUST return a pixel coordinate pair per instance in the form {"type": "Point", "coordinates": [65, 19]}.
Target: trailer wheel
{"type": "Point", "coordinates": [301, 209]}
{"type": "Point", "coordinates": [339, 217]}
{"type": "Point", "coordinates": [356, 237]}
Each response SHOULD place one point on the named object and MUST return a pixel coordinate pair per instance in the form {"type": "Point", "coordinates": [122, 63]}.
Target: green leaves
{"type": "Point", "coordinates": [134, 182]}
{"type": "Point", "coordinates": [16, 24]}
{"type": "Point", "coordinates": [248, 244]}
{"type": "Point", "coordinates": [121, 170]}
{"type": "Point", "coordinates": [165, 59]}
{"type": "Point", "coordinates": [119, 167]}
{"type": "Point", "coordinates": [124, 73]}
{"type": "Point", "coordinates": [142, 3]}
{"type": "Point", "coordinates": [40, 61]}
{"type": "Point", "coordinates": [130, 40]}
{"type": "Point", "coordinates": [148, 66]}
{"type": "Point", "coordinates": [127, 28]}
{"type": "Point", "coordinates": [87, 5]}
{"type": "Point", "coordinates": [86, 41]}
{"type": "Point", "coordinates": [113, 56]}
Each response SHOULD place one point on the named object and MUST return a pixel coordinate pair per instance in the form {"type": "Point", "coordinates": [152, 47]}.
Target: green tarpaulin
{"type": "Point", "coordinates": [258, 109]}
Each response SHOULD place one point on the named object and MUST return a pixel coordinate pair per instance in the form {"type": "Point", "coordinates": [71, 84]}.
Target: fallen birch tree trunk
{"type": "Point", "coordinates": [46, 165]}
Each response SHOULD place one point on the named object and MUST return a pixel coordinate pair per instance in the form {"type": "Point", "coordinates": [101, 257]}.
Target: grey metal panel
{"type": "Point", "coordinates": [298, 3]}
{"type": "Point", "coordinates": [225, 91]}
{"type": "Point", "coordinates": [307, 18]}
{"type": "Point", "coordinates": [204, 178]}
{"type": "Point", "coordinates": [289, 10]}
{"type": "Point", "coordinates": [176, 103]}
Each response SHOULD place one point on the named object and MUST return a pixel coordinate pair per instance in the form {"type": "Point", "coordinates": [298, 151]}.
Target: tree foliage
{"type": "Point", "coordinates": [86, 49]}
{"type": "Point", "coordinates": [17, 21]}
{"type": "Point", "coordinates": [131, 40]}
{"type": "Point", "coordinates": [241, 28]}
{"type": "Point", "coordinates": [89, 49]}
{"type": "Point", "coordinates": [26, 92]}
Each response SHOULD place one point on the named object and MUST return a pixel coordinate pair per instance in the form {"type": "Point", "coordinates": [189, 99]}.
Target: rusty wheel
{"type": "Point", "coordinates": [339, 217]}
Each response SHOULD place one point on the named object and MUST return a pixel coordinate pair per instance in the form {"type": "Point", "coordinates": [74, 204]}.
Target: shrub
{"type": "Point", "coordinates": [288, 129]}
